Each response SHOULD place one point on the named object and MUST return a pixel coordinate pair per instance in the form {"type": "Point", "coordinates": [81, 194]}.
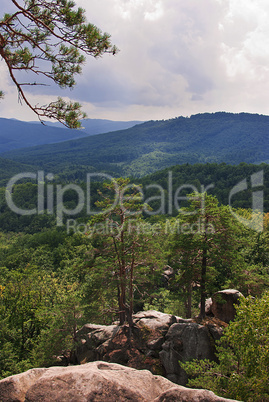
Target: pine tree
{"type": "Point", "coordinates": [46, 39]}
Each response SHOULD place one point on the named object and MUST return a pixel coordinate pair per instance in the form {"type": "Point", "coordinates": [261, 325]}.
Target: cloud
{"type": "Point", "coordinates": [164, 61]}
{"type": "Point", "coordinates": [176, 57]}
{"type": "Point", "coordinates": [246, 39]}
{"type": "Point", "coordinates": [150, 10]}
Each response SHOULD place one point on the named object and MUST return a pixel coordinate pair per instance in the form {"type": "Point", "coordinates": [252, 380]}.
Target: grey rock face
{"type": "Point", "coordinates": [91, 338]}
{"type": "Point", "coordinates": [182, 394]}
{"type": "Point", "coordinates": [183, 342]}
{"type": "Point", "coordinates": [157, 343]}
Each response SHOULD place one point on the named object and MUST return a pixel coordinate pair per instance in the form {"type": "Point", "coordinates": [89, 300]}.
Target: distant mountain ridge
{"type": "Point", "coordinates": [154, 145]}
{"type": "Point", "coordinates": [16, 134]}
{"type": "Point", "coordinates": [96, 126]}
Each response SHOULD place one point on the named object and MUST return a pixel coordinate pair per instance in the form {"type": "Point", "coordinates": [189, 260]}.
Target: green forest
{"type": "Point", "coordinates": [90, 226]}
{"type": "Point", "coordinates": [218, 179]}
{"type": "Point", "coordinates": [54, 280]}
{"type": "Point", "coordinates": [154, 145]}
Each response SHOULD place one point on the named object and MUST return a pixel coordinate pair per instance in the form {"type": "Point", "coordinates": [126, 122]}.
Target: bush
{"type": "Point", "coordinates": [243, 352]}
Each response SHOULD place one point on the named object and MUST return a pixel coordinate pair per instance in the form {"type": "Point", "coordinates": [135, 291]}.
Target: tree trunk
{"type": "Point", "coordinates": [122, 302]}
{"type": "Point", "coordinates": [189, 301]}
{"type": "Point", "coordinates": [203, 283]}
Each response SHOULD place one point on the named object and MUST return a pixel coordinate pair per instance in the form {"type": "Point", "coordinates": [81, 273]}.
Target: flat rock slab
{"type": "Point", "coordinates": [154, 320]}
{"type": "Point", "coordinates": [96, 381]}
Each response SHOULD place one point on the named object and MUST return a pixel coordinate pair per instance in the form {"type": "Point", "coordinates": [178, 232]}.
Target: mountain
{"type": "Point", "coordinates": [16, 134]}
{"type": "Point", "coordinates": [148, 147]}
{"type": "Point", "coordinates": [99, 126]}
{"type": "Point", "coordinates": [9, 168]}
{"type": "Point", "coordinates": [218, 180]}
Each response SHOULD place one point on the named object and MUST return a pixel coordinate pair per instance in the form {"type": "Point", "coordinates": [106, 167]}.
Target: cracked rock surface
{"type": "Point", "coordinates": [157, 343]}
{"type": "Point", "coordinates": [96, 381]}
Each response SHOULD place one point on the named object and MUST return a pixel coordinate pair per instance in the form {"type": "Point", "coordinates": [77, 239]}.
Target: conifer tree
{"type": "Point", "coordinates": [48, 40]}
{"type": "Point", "coordinates": [120, 222]}
{"type": "Point", "coordinates": [205, 245]}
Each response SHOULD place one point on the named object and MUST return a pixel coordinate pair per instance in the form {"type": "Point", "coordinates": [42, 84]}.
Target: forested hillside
{"type": "Point", "coordinates": [15, 134]}
{"type": "Point", "coordinates": [55, 279]}
{"type": "Point", "coordinates": [219, 178]}
{"type": "Point", "coordinates": [52, 282]}
{"type": "Point", "coordinates": [102, 267]}
{"type": "Point", "coordinates": [9, 168]}
{"type": "Point", "coordinates": [145, 148]}
{"type": "Point", "coordinates": [142, 244]}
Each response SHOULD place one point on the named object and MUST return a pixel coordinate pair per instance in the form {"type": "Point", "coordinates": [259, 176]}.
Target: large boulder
{"type": "Point", "coordinates": [187, 341]}
{"type": "Point", "coordinates": [223, 304]}
{"type": "Point", "coordinates": [96, 382]}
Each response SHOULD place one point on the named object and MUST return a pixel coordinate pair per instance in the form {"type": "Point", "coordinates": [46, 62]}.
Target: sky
{"type": "Point", "coordinates": [176, 58]}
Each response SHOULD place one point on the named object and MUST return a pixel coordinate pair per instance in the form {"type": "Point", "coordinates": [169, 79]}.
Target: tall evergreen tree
{"type": "Point", "coordinates": [119, 224]}
{"type": "Point", "coordinates": [204, 245]}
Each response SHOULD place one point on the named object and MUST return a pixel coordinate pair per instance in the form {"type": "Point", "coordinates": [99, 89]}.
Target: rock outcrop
{"type": "Point", "coordinates": [223, 303]}
{"type": "Point", "coordinates": [187, 341]}
{"type": "Point", "coordinates": [115, 344]}
{"type": "Point", "coordinates": [157, 343]}
{"type": "Point", "coordinates": [97, 381]}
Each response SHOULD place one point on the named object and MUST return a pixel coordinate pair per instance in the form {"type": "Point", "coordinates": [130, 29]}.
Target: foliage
{"type": "Point", "coordinates": [154, 145]}
{"type": "Point", "coordinates": [243, 369]}
{"type": "Point", "coordinates": [203, 247]}
{"type": "Point", "coordinates": [58, 337]}
{"type": "Point", "coordinates": [40, 303]}
{"type": "Point", "coordinates": [119, 224]}
{"type": "Point", "coordinates": [223, 176]}
{"type": "Point", "coordinates": [54, 32]}
{"type": "Point", "coordinates": [52, 282]}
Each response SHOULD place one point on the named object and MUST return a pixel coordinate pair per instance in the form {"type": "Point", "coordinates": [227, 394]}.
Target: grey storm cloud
{"type": "Point", "coordinates": [176, 57]}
